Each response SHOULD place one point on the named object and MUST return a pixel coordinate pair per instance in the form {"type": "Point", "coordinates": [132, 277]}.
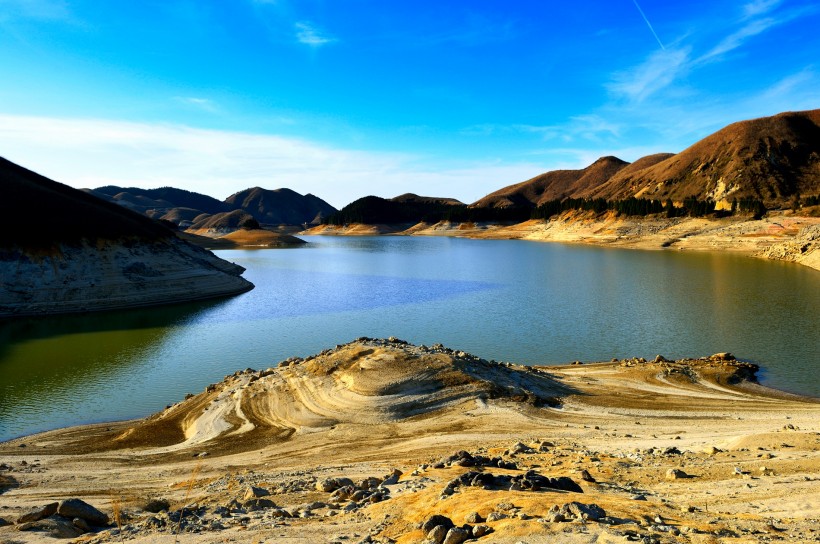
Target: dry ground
{"type": "Point", "coordinates": [749, 457]}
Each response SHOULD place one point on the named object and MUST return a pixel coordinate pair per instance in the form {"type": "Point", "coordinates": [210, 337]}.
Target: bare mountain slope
{"type": "Point", "coordinates": [280, 206]}
{"type": "Point", "coordinates": [773, 159]}
{"type": "Point", "coordinates": [555, 185]}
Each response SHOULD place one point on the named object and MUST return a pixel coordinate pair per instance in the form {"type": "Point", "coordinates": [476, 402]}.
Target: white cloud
{"type": "Point", "coordinates": [736, 39]}
{"type": "Point", "coordinates": [308, 34]}
{"type": "Point", "coordinates": [658, 71]}
{"type": "Point", "coordinates": [759, 7]}
{"type": "Point", "coordinates": [92, 153]}
{"type": "Point", "coordinates": [205, 104]}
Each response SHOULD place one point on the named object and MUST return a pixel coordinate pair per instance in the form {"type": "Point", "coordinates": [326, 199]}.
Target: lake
{"type": "Point", "coordinates": [525, 302]}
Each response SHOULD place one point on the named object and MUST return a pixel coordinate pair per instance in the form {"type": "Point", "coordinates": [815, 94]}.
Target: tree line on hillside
{"type": "Point", "coordinates": [376, 210]}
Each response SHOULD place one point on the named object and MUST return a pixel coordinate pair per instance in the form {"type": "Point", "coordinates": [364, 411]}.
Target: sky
{"type": "Point", "coordinates": [347, 98]}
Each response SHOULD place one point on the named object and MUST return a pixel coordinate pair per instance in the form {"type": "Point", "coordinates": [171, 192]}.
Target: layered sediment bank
{"type": "Point", "coordinates": [382, 441]}
{"type": "Point", "coordinates": [126, 273]}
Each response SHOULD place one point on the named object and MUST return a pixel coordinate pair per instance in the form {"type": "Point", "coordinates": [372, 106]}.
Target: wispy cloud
{"type": "Point", "coordinates": [92, 153]}
{"type": "Point", "coordinates": [205, 104]}
{"type": "Point", "coordinates": [308, 34]}
{"type": "Point", "coordinates": [658, 71]}
{"type": "Point", "coordinates": [759, 7]}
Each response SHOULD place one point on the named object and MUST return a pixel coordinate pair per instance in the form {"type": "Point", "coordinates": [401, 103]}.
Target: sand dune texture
{"type": "Point", "coordinates": [382, 441]}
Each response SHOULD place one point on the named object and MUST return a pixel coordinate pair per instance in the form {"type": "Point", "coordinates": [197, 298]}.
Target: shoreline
{"type": "Point", "coordinates": [674, 451]}
{"type": "Point", "coordinates": [778, 236]}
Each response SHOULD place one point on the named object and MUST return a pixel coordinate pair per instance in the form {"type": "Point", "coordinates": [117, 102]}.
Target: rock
{"type": "Point", "coordinates": [519, 447]}
{"type": "Point", "coordinates": [434, 520]}
{"type": "Point", "coordinates": [674, 474]}
{"type": "Point", "coordinates": [392, 478]}
{"type": "Point", "coordinates": [369, 483]}
{"type": "Point", "coordinates": [254, 492]}
{"type": "Point", "coordinates": [76, 508]}
{"type": "Point", "coordinates": [332, 484]}
{"type": "Point", "coordinates": [456, 535]}
{"type": "Point", "coordinates": [253, 505]}
{"type": "Point", "coordinates": [55, 526]}
{"type": "Point", "coordinates": [581, 511]}
{"type": "Point", "coordinates": [39, 513]}
{"type": "Point", "coordinates": [156, 506]}
{"type": "Point", "coordinates": [3, 522]}
{"type": "Point", "coordinates": [724, 356]}
{"type": "Point", "coordinates": [711, 450]}
{"type": "Point", "coordinates": [672, 450]}
{"type": "Point", "coordinates": [556, 517]}
{"type": "Point", "coordinates": [496, 516]}
{"type": "Point", "coordinates": [278, 513]}
{"type": "Point", "coordinates": [505, 506]}
{"type": "Point", "coordinates": [473, 517]}
{"type": "Point", "coordinates": [81, 524]}
{"type": "Point", "coordinates": [481, 530]}
{"type": "Point", "coordinates": [586, 476]}
{"type": "Point", "coordinates": [437, 534]}
{"type": "Point", "coordinates": [638, 497]}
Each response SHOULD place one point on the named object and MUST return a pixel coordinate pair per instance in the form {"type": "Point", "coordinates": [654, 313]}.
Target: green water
{"type": "Point", "coordinates": [526, 302]}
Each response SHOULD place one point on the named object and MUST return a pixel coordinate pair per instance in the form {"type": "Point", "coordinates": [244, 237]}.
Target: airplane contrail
{"type": "Point", "coordinates": [648, 24]}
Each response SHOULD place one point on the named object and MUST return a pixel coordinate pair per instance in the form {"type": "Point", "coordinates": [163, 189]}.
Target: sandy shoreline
{"type": "Point", "coordinates": [779, 235]}
{"type": "Point", "coordinates": [749, 457]}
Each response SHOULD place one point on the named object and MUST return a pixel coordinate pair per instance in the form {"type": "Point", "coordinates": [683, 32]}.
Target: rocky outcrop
{"type": "Point", "coordinates": [79, 253]}
{"type": "Point", "coordinates": [803, 248]}
{"type": "Point", "coordinates": [112, 274]}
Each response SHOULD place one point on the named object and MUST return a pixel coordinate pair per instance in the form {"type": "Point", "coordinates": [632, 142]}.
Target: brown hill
{"type": "Point", "coordinates": [280, 206]}
{"type": "Point", "coordinates": [772, 159]}
{"type": "Point", "coordinates": [555, 185]}
{"type": "Point", "coordinates": [38, 213]}
{"type": "Point", "coordinates": [222, 222]}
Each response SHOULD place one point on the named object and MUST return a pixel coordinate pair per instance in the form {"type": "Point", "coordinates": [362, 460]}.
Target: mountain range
{"type": "Point", "coordinates": [772, 159]}
{"type": "Point", "coordinates": [188, 209]}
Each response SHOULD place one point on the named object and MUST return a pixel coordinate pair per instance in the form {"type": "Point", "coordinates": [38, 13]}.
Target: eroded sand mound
{"type": "Point", "coordinates": [366, 382]}
{"type": "Point", "coordinates": [381, 441]}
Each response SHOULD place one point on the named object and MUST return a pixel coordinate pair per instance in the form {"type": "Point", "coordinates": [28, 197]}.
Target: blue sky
{"type": "Point", "coordinates": [344, 98]}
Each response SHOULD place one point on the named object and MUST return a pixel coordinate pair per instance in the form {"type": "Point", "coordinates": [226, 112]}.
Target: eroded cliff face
{"type": "Point", "coordinates": [111, 275]}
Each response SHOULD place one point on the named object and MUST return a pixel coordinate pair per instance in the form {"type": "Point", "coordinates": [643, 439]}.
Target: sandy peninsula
{"type": "Point", "coordinates": [382, 441]}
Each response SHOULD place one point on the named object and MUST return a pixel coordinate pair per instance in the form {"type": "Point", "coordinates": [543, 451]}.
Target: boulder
{"type": "Point", "coordinates": [392, 478]}
{"type": "Point", "coordinates": [582, 511]}
{"type": "Point", "coordinates": [81, 524]}
{"type": "Point", "coordinates": [254, 492]}
{"type": "Point", "coordinates": [436, 519]}
{"type": "Point", "coordinates": [481, 530]}
{"type": "Point", "coordinates": [586, 476]}
{"type": "Point", "coordinates": [332, 484]}
{"type": "Point", "coordinates": [77, 508]}
{"type": "Point", "coordinates": [258, 504]}
{"type": "Point", "coordinates": [55, 526]}
{"type": "Point", "coordinates": [473, 517]}
{"type": "Point", "coordinates": [156, 506]}
{"type": "Point", "coordinates": [39, 513]}
{"type": "Point", "coordinates": [437, 534]}
{"type": "Point", "coordinates": [457, 535]}
{"type": "Point", "coordinates": [674, 474]}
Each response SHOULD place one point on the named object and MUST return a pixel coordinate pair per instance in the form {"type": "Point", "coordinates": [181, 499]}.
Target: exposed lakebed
{"type": "Point", "coordinates": [531, 303]}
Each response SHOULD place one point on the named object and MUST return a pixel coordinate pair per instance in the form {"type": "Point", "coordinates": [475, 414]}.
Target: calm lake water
{"type": "Point", "coordinates": [533, 303]}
